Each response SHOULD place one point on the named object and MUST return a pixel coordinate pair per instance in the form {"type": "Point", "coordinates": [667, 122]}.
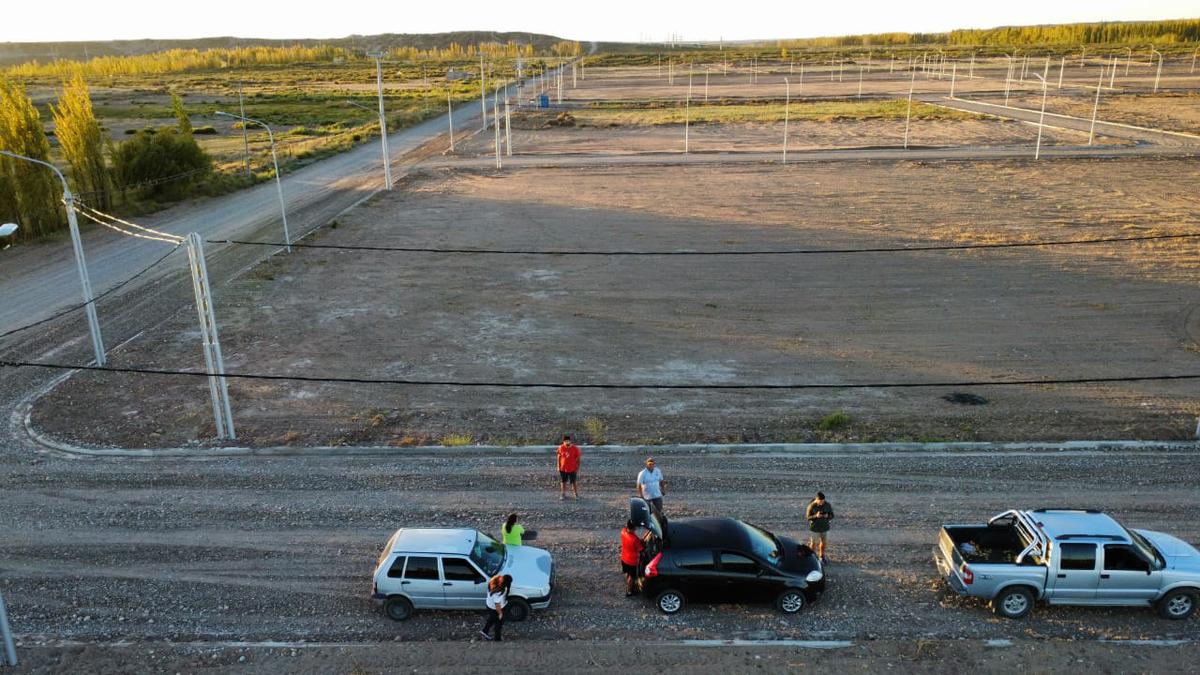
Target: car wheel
{"type": "Point", "coordinates": [790, 601]}
{"type": "Point", "coordinates": [1178, 604]}
{"type": "Point", "coordinates": [518, 609]}
{"type": "Point", "coordinates": [669, 601]}
{"type": "Point", "coordinates": [1013, 603]}
{"type": "Point", "coordinates": [398, 608]}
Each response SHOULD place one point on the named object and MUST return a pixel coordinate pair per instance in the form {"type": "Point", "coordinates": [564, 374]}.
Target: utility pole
{"type": "Point", "coordinates": [1096, 107]}
{"type": "Point", "coordinates": [245, 133]}
{"type": "Point", "coordinates": [387, 157]}
{"type": "Point", "coordinates": [496, 125]}
{"type": "Point", "coordinates": [787, 102]}
{"type": "Point", "coordinates": [214, 363]}
{"type": "Point", "coordinates": [278, 179]}
{"type": "Point", "coordinates": [908, 115]}
{"type": "Point", "coordinates": [85, 281]}
{"type": "Point", "coordinates": [482, 89]}
{"type": "Point", "coordinates": [507, 128]}
{"type": "Point", "coordinates": [450, 118]}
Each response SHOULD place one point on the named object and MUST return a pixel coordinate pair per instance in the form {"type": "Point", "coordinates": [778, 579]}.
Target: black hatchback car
{"type": "Point", "coordinates": [723, 560]}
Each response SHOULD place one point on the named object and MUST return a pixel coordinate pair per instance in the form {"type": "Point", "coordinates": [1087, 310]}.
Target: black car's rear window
{"type": "Point", "coordinates": [694, 559]}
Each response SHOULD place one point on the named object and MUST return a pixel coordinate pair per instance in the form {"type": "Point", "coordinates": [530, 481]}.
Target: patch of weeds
{"type": "Point", "coordinates": [835, 420]}
{"type": "Point", "coordinates": [289, 437]}
{"type": "Point", "coordinates": [596, 429]}
{"type": "Point", "coordinates": [457, 440]}
{"type": "Point", "coordinates": [409, 440]}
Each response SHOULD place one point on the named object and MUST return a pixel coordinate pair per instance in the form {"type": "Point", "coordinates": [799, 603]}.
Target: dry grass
{"type": "Point", "coordinates": [739, 113]}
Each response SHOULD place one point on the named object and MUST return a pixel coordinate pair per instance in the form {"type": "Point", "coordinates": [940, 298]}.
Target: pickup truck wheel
{"type": "Point", "coordinates": [1013, 603]}
{"type": "Point", "coordinates": [669, 601]}
{"type": "Point", "coordinates": [1178, 604]}
{"type": "Point", "coordinates": [518, 609]}
{"type": "Point", "coordinates": [790, 601]}
{"type": "Point", "coordinates": [398, 608]}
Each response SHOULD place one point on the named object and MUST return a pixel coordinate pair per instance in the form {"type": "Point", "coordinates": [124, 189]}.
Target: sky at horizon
{"type": "Point", "coordinates": [617, 20]}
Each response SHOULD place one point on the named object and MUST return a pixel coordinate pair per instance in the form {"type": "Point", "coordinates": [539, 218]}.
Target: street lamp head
{"type": "Point", "coordinates": [8, 229]}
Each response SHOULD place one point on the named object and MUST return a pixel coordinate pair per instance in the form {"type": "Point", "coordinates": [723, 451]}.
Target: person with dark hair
{"type": "Point", "coordinates": [497, 600]}
{"type": "Point", "coordinates": [511, 532]}
{"type": "Point", "coordinates": [818, 513]}
{"type": "Point", "coordinates": [631, 556]}
{"type": "Point", "coordinates": [651, 486]}
{"type": "Point", "coordinates": [568, 467]}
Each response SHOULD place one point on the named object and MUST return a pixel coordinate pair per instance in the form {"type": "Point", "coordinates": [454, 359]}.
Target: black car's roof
{"type": "Point", "coordinates": [707, 533]}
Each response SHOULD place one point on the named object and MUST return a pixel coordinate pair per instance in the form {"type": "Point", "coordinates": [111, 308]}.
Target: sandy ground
{"type": "Point", "coordinates": [149, 552]}
{"type": "Point", "coordinates": [926, 656]}
{"type": "Point", "coordinates": [1172, 112]}
{"type": "Point", "coordinates": [751, 137]}
{"type": "Point", "coordinates": [647, 82]}
{"type": "Point", "coordinates": [1095, 311]}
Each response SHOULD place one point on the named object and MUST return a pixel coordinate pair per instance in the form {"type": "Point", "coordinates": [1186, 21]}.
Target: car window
{"type": "Point", "coordinates": [421, 568]}
{"type": "Point", "coordinates": [457, 569]}
{"type": "Point", "coordinates": [694, 559]}
{"type": "Point", "coordinates": [488, 553]}
{"type": "Point", "coordinates": [1123, 558]}
{"type": "Point", "coordinates": [1077, 557]}
{"type": "Point", "coordinates": [397, 568]}
{"type": "Point", "coordinates": [737, 563]}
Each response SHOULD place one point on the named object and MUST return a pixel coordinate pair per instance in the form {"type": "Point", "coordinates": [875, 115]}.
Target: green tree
{"type": "Point", "coordinates": [82, 142]}
{"type": "Point", "coordinates": [29, 194]}
{"type": "Point", "coordinates": [185, 124]}
{"type": "Point", "coordinates": [155, 155]}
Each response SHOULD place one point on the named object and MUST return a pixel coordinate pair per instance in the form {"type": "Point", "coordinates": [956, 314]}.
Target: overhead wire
{"type": "Point", "coordinates": [585, 385]}
{"type": "Point", "coordinates": [798, 251]}
{"type": "Point", "coordinates": [111, 222]}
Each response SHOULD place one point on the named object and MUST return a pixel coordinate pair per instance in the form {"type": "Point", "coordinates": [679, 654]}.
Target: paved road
{"type": "Point", "coordinates": [37, 280]}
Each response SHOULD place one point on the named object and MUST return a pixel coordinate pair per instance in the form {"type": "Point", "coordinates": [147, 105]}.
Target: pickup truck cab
{"type": "Point", "coordinates": [1068, 557]}
{"type": "Point", "coordinates": [424, 568]}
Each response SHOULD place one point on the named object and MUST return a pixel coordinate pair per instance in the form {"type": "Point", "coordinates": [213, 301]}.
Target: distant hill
{"type": "Point", "coordinates": [12, 53]}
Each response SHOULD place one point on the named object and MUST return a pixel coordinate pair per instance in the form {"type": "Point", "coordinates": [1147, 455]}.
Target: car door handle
{"type": "Point", "coordinates": [447, 583]}
{"type": "Point", "coordinates": [405, 583]}
{"type": "Point", "coordinates": [1062, 576]}
{"type": "Point", "coordinates": [1104, 576]}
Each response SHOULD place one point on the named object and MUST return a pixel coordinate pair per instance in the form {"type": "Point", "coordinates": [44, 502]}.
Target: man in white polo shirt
{"type": "Point", "coordinates": [651, 486]}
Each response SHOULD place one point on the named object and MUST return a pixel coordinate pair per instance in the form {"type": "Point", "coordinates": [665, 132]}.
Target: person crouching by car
{"type": "Point", "coordinates": [631, 556]}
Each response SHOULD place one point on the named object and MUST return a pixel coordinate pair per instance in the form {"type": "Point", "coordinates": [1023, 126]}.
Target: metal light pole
{"type": "Point", "coordinates": [787, 103]}
{"type": "Point", "coordinates": [908, 115]}
{"type": "Point", "coordinates": [245, 132]}
{"type": "Point", "coordinates": [860, 80]}
{"type": "Point", "coordinates": [387, 164]}
{"type": "Point", "coordinates": [10, 649]}
{"type": "Point", "coordinates": [1061, 67]}
{"type": "Point", "coordinates": [386, 169]}
{"type": "Point", "coordinates": [953, 77]}
{"type": "Point", "coordinates": [85, 281]}
{"type": "Point", "coordinates": [507, 128]}
{"type": "Point", "coordinates": [1096, 107]}
{"type": "Point", "coordinates": [1194, 60]}
{"type": "Point", "coordinates": [482, 89]}
{"type": "Point", "coordinates": [1158, 74]}
{"type": "Point", "coordinates": [1128, 59]}
{"type": "Point", "coordinates": [287, 238]}
{"type": "Point", "coordinates": [1037, 153]}
{"type": "Point", "coordinates": [450, 118]}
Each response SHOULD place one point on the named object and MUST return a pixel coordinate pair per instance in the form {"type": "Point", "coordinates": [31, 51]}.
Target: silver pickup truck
{"type": "Point", "coordinates": [1068, 557]}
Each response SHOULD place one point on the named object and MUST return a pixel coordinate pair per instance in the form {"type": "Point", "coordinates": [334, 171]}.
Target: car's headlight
{"type": "Point", "coordinates": [814, 576]}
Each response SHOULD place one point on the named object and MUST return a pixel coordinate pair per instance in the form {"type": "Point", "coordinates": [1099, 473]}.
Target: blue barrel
{"type": "Point", "coordinates": [544, 101]}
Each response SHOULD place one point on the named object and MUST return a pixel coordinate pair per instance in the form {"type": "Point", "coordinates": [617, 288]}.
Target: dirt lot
{"type": "Point", "coordinates": [531, 136]}
{"type": "Point", "coordinates": [1172, 112]}
{"type": "Point", "coordinates": [1094, 311]}
{"type": "Point", "coordinates": [282, 549]}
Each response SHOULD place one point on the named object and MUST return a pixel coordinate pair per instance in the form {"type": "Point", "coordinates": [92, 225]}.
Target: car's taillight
{"type": "Point", "coordinates": [967, 575]}
{"type": "Point", "coordinates": [652, 568]}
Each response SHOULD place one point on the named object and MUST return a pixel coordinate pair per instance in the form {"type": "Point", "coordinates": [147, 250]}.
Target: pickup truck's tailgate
{"type": "Point", "coordinates": [949, 561]}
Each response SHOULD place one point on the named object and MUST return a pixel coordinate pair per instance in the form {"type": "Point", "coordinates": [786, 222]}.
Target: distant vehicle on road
{"type": "Point", "coordinates": [723, 560]}
{"type": "Point", "coordinates": [1068, 557]}
{"type": "Point", "coordinates": [449, 569]}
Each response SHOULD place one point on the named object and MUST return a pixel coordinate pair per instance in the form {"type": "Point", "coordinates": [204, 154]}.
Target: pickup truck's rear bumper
{"type": "Point", "coordinates": [943, 566]}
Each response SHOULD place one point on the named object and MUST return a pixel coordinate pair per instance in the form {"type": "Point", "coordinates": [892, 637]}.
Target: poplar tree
{"type": "Point", "coordinates": [82, 142]}
{"type": "Point", "coordinates": [185, 124]}
{"type": "Point", "coordinates": [29, 194]}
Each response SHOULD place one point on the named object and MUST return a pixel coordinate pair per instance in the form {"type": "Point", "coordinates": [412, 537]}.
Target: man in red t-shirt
{"type": "Point", "coordinates": [631, 555]}
{"type": "Point", "coordinates": [568, 467]}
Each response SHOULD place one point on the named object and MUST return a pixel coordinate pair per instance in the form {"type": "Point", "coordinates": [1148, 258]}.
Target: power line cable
{"type": "Point", "coordinates": [571, 385]}
{"type": "Point", "coordinates": [811, 251]}
{"type": "Point", "coordinates": [75, 308]}
{"type": "Point", "coordinates": [106, 220]}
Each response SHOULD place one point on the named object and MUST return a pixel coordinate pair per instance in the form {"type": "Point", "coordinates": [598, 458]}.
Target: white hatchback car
{"type": "Point", "coordinates": [449, 569]}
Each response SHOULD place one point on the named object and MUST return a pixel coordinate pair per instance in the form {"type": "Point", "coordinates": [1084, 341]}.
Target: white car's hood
{"type": "Point", "coordinates": [1178, 552]}
{"type": "Point", "coordinates": [530, 568]}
